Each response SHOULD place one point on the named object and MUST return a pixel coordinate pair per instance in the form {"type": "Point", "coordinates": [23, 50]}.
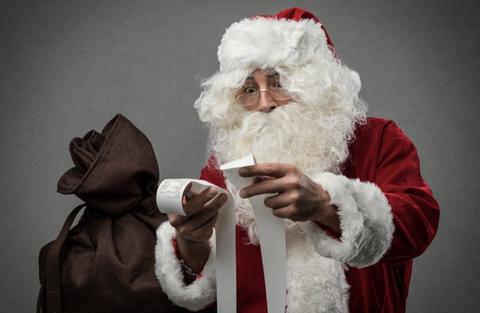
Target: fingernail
{"type": "Point", "coordinates": [242, 193]}
{"type": "Point", "coordinates": [242, 171]}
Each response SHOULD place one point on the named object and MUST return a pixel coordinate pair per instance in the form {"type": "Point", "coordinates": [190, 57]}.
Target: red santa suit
{"type": "Point", "coordinates": [388, 216]}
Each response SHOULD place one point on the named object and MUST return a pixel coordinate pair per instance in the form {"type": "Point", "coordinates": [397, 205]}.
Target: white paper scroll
{"type": "Point", "coordinates": [271, 235]}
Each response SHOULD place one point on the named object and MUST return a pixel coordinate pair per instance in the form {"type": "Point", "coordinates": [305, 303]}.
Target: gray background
{"type": "Point", "coordinates": [68, 66]}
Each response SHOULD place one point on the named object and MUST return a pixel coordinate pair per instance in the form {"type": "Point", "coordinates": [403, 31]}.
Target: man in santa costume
{"type": "Point", "coordinates": [349, 188]}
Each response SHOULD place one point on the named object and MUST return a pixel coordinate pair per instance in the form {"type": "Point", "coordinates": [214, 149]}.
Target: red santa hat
{"type": "Point", "coordinates": [295, 44]}
{"type": "Point", "coordinates": [291, 38]}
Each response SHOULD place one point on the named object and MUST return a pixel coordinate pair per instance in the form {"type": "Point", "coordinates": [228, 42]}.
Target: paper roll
{"type": "Point", "coordinates": [170, 193]}
{"type": "Point", "coordinates": [169, 196]}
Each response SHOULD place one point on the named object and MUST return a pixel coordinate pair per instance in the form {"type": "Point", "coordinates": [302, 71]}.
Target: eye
{"type": "Point", "coordinates": [249, 89]}
{"type": "Point", "coordinates": [276, 85]}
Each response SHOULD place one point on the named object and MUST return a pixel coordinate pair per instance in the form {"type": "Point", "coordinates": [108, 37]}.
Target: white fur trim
{"type": "Point", "coordinates": [168, 271]}
{"type": "Point", "coordinates": [366, 221]}
{"type": "Point", "coordinates": [268, 42]}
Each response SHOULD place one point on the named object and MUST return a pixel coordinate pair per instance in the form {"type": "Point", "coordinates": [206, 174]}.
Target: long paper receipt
{"type": "Point", "coordinates": [271, 231]}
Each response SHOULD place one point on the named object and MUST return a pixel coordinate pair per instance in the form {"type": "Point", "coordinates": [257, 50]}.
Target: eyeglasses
{"type": "Point", "coordinates": [250, 95]}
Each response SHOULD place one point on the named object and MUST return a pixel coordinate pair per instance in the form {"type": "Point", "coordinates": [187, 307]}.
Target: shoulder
{"type": "Point", "coordinates": [390, 141]}
{"type": "Point", "coordinates": [380, 129]}
{"type": "Point", "coordinates": [375, 141]}
{"type": "Point", "coordinates": [374, 124]}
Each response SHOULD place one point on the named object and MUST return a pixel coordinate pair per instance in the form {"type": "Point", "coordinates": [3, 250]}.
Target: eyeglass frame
{"type": "Point", "coordinates": [267, 90]}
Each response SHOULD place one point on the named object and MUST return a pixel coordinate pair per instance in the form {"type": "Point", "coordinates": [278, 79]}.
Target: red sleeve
{"type": "Point", "coordinates": [415, 210]}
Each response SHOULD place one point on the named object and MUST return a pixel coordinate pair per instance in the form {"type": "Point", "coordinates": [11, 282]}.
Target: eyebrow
{"type": "Point", "coordinates": [274, 74]}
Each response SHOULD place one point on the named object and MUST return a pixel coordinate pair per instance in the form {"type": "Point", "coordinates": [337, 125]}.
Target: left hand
{"type": "Point", "coordinates": [296, 196]}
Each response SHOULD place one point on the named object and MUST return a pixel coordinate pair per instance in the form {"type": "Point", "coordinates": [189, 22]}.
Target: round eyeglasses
{"type": "Point", "coordinates": [250, 95]}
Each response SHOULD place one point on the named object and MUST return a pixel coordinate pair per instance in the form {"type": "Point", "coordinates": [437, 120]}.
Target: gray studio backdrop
{"type": "Point", "coordinates": [68, 66]}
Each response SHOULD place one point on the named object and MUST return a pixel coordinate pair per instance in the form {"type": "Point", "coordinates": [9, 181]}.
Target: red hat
{"type": "Point", "coordinates": [292, 37]}
{"type": "Point", "coordinates": [295, 44]}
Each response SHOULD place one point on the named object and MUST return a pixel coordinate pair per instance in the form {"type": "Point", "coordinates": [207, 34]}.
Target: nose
{"type": "Point", "coordinates": [266, 102]}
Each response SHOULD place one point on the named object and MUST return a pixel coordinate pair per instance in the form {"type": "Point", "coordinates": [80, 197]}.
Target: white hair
{"type": "Point", "coordinates": [311, 132]}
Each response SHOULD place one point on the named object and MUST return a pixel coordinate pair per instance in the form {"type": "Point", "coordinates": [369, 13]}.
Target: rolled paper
{"type": "Point", "coordinates": [170, 193]}
{"type": "Point", "coordinates": [169, 197]}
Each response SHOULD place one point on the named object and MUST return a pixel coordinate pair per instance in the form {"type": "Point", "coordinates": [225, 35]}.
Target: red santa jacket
{"type": "Point", "coordinates": [382, 156]}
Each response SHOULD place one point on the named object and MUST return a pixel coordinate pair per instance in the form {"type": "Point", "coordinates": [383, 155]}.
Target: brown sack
{"type": "Point", "coordinates": [105, 263]}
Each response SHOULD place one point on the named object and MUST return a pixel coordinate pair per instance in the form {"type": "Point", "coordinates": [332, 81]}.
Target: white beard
{"type": "Point", "coordinates": [313, 138]}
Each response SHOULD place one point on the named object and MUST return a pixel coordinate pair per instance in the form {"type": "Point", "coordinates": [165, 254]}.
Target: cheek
{"type": "Point", "coordinates": [251, 107]}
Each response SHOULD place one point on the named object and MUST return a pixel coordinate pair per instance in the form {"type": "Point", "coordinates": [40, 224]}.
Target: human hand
{"type": "Point", "coordinates": [195, 229]}
{"type": "Point", "coordinates": [201, 214]}
{"type": "Point", "coordinates": [296, 196]}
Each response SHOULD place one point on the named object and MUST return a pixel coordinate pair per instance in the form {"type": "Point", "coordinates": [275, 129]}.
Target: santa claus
{"type": "Point", "coordinates": [349, 188]}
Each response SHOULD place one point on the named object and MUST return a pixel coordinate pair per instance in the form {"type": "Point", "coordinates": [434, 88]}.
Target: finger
{"type": "Point", "coordinates": [206, 211]}
{"type": "Point", "coordinates": [258, 179]}
{"type": "Point", "coordinates": [207, 223]}
{"type": "Point", "coordinates": [204, 232]}
{"type": "Point", "coordinates": [267, 169]}
{"type": "Point", "coordinates": [265, 186]}
{"type": "Point", "coordinates": [282, 199]}
{"type": "Point", "coordinates": [198, 201]}
{"type": "Point", "coordinates": [187, 193]}
{"type": "Point", "coordinates": [196, 221]}
{"type": "Point", "coordinates": [216, 203]}
{"type": "Point", "coordinates": [290, 212]}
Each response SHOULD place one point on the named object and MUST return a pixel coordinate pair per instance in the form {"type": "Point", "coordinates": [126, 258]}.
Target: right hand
{"type": "Point", "coordinates": [201, 214]}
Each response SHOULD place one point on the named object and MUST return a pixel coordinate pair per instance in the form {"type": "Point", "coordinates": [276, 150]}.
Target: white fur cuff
{"type": "Point", "coordinates": [366, 221]}
{"type": "Point", "coordinates": [168, 271]}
